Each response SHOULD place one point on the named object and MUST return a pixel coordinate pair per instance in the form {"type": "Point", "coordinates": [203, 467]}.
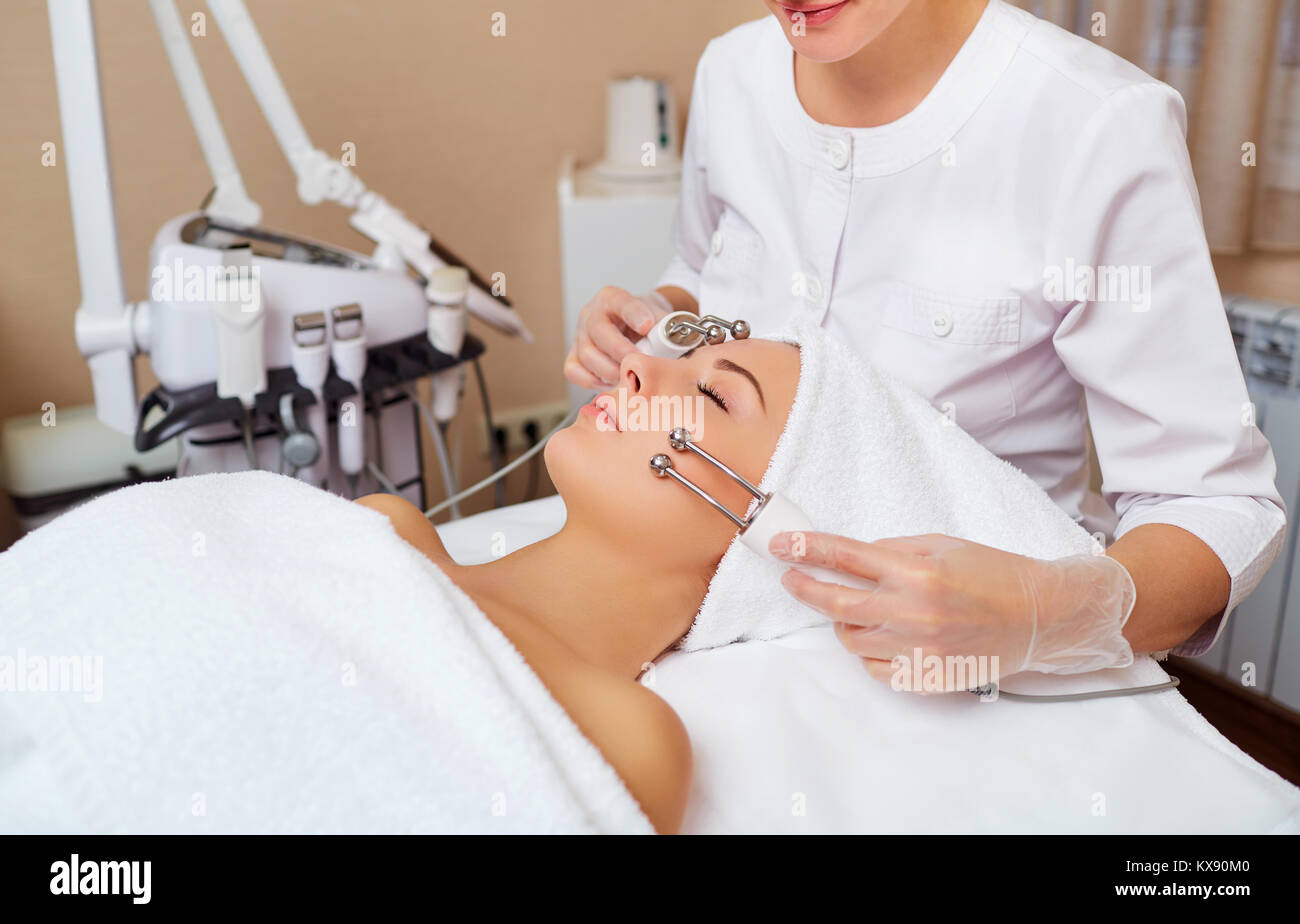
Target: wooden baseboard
{"type": "Point", "coordinates": [1267, 731]}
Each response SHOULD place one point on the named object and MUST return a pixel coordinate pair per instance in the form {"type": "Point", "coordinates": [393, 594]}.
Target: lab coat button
{"type": "Point", "coordinates": [941, 324]}
{"type": "Point", "coordinates": [839, 151]}
{"type": "Point", "coordinates": [715, 244]}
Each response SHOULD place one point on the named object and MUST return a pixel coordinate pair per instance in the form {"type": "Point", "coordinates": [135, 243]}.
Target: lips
{"type": "Point", "coordinates": [596, 410]}
{"type": "Point", "coordinates": [814, 15]}
{"type": "Point", "coordinates": [809, 10]}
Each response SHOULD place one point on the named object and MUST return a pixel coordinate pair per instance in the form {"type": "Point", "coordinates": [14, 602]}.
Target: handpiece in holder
{"type": "Point", "coordinates": [299, 447]}
{"type": "Point", "coordinates": [349, 351]}
{"type": "Point", "coordinates": [447, 290]}
{"type": "Point", "coordinates": [241, 364]}
{"type": "Point", "coordinates": [774, 513]}
{"type": "Point", "coordinates": [682, 331]}
{"type": "Point", "coordinates": [311, 364]}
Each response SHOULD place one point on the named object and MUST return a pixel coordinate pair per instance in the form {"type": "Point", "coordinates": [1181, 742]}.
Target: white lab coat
{"type": "Point", "coordinates": [947, 247]}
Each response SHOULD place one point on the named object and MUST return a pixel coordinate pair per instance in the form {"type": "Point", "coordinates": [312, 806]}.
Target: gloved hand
{"type": "Point", "coordinates": [608, 329]}
{"type": "Point", "coordinates": [952, 597]}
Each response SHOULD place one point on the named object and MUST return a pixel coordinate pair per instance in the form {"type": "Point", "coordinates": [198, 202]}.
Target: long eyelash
{"type": "Point", "coordinates": [713, 395]}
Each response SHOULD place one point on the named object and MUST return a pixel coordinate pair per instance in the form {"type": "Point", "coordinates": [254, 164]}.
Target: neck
{"type": "Point", "coordinates": [615, 608]}
{"type": "Point", "coordinates": [892, 74]}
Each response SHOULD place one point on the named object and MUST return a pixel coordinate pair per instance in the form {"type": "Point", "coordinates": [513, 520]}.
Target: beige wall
{"type": "Point", "coordinates": [462, 130]}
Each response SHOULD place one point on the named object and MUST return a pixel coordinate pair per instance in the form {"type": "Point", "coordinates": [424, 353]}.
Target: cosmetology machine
{"type": "Point", "coordinates": [271, 350]}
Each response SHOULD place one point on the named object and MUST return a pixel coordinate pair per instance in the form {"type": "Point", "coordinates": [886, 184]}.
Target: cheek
{"type": "Point", "coordinates": [747, 450]}
{"type": "Point", "coordinates": [605, 479]}
{"type": "Point", "coordinates": [658, 513]}
{"type": "Point", "coordinates": [697, 516]}
{"type": "Point", "coordinates": [607, 484]}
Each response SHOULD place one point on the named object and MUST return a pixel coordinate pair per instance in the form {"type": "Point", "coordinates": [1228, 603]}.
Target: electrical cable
{"type": "Point", "coordinates": [444, 460]}
{"type": "Point", "coordinates": [535, 469]}
{"type": "Point", "coordinates": [473, 489]}
{"type": "Point", "coordinates": [384, 481]}
{"type": "Point", "coordinates": [439, 435]}
{"type": "Point", "coordinates": [493, 449]}
{"type": "Point", "coordinates": [456, 454]}
{"type": "Point", "coordinates": [376, 411]}
{"type": "Point", "coordinates": [1170, 684]}
{"type": "Point", "coordinates": [247, 429]}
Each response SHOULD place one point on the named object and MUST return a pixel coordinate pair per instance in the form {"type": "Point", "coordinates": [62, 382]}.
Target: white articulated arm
{"type": "Point", "coordinates": [319, 177]}
{"type": "Point", "coordinates": [322, 178]}
{"type": "Point", "coordinates": [383, 223]}
{"type": "Point", "coordinates": [103, 321]}
{"type": "Point", "coordinates": [229, 199]}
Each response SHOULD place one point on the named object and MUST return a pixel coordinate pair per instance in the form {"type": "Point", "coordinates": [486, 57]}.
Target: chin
{"type": "Point", "coordinates": [856, 26]}
{"type": "Point", "coordinates": [574, 461]}
{"type": "Point", "coordinates": [824, 49]}
{"type": "Point", "coordinates": [559, 455]}
{"type": "Point", "coordinates": [589, 479]}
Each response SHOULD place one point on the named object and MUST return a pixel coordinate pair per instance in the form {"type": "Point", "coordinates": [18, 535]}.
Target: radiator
{"type": "Point", "coordinates": [1261, 643]}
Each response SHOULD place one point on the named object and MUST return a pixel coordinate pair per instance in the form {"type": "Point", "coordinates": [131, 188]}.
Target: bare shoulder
{"type": "Point", "coordinates": [671, 767]}
{"type": "Point", "coordinates": [410, 523]}
{"type": "Point", "coordinates": [646, 743]}
{"type": "Point", "coordinates": [636, 731]}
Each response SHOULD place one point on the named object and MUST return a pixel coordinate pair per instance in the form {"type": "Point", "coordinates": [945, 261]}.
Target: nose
{"type": "Point", "coordinates": [638, 372]}
{"type": "Point", "coordinates": [646, 375]}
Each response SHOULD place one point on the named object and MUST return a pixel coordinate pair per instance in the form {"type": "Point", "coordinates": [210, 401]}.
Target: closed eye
{"type": "Point", "coordinates": [709, 392]}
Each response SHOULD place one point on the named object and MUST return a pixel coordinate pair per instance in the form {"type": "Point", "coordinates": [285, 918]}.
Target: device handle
{"type": "Point", "coordinates": [657, 343]}
{"type": "Point", "coordinates": [780, 515]}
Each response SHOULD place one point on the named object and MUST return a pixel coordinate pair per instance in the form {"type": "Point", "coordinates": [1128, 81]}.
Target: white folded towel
{"type": "Point", "coordinates": [867, 457]}
{"type": "Point", "coordinates": [274, 659]}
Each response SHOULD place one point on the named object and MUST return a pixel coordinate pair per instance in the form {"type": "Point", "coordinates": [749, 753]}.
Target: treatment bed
{"type": "Point", "coordinates": [241, 679]}
{"type": "Point", "coordinates": [792, 735]}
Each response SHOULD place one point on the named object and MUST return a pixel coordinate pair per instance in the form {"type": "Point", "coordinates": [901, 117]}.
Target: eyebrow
{"type": "Point", "coordinates": [726, 365]}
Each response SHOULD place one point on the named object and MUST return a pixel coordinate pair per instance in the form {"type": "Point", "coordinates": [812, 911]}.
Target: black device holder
{"type": "Point", "coordinates": [387, 366]}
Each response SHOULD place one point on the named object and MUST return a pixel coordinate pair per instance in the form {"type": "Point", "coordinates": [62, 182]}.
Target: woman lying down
{"type": "Point", "coordinates": [592, 606]}
{"type": "Point", "coordinates": [246, 653]}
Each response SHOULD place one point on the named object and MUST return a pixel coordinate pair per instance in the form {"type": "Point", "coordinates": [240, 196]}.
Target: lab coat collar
{"type": "Point", "coordinates": [898, 145]}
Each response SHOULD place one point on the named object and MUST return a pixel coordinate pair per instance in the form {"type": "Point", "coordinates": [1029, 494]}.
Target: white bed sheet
{"type": "Point", "coordinates": [793, 736]}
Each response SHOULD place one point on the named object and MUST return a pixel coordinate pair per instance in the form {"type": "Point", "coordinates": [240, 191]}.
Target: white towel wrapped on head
{"type": "Point", "coordinates": [867, 457]}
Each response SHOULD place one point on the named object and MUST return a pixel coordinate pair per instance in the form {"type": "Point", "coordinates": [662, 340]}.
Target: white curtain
{"type": "Point", "coordinates": [1237, 65]}
{"type": "Point", "coordinates": [1276, 223]}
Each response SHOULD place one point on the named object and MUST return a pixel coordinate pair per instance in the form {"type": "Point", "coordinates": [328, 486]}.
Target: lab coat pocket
{"type": "Point", "coordinates": [955, 350]}
{"type": "Point", "coordinates": [728, 279]}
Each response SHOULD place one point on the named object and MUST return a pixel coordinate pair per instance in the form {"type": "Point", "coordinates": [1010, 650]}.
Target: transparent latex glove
{"type": "Point", "coordinates": [608, 328]}
{"type": "Point", "coordinates": [951, 597]}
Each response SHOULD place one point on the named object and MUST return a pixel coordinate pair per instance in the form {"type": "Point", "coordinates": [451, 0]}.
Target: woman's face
{"type": "Point", "coordinates": [820, 30]}
{"type": "Point", "coordinates": [734, 397]}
